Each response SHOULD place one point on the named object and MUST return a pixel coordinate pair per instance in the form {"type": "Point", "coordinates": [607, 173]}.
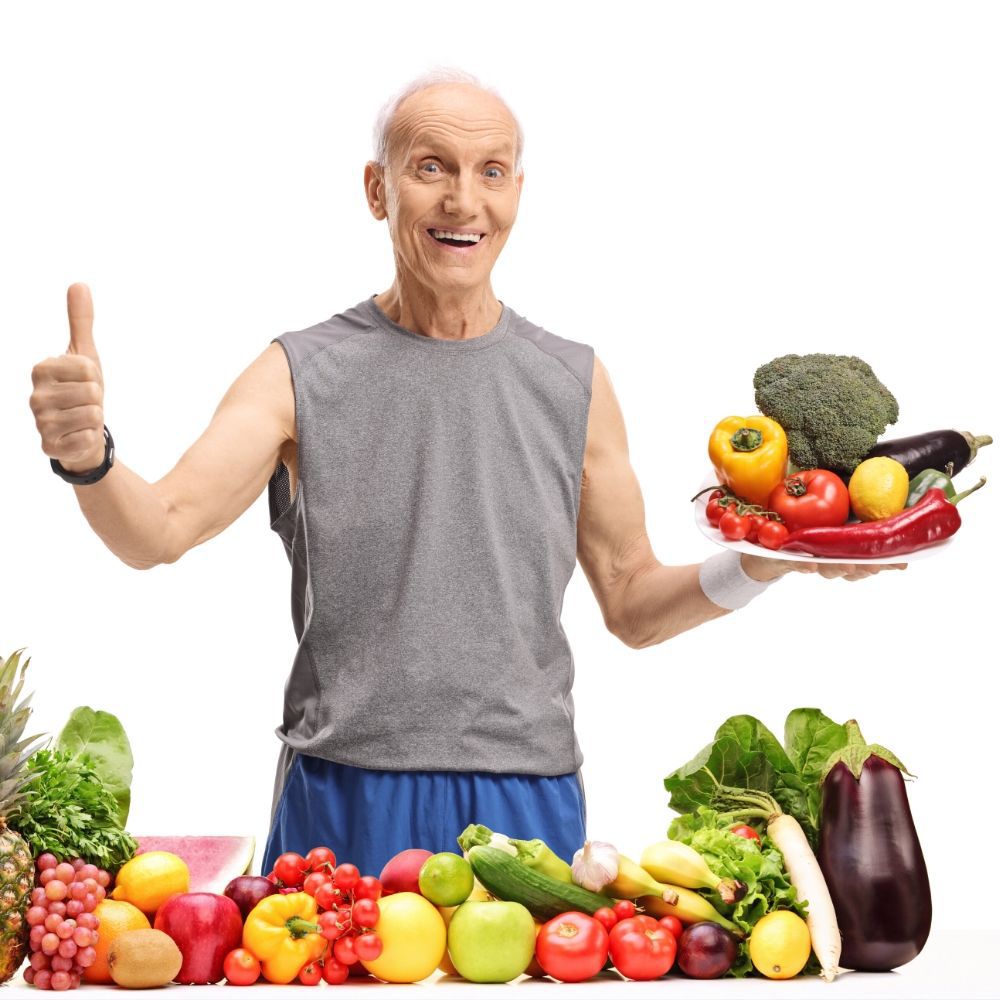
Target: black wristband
{"type": "Point", "coordinates": [86, 478]}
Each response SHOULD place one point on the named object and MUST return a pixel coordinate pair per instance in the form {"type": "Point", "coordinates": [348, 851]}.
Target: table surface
{"type": "Point", "coordinates": [954, 964]}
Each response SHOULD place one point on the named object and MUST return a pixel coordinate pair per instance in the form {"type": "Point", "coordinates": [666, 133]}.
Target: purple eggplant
{"type": "Point", "coordinates": [871, 859]}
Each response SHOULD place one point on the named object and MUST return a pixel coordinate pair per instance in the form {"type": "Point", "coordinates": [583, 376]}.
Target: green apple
{"type": "Point", "coordinates": [491, 942]}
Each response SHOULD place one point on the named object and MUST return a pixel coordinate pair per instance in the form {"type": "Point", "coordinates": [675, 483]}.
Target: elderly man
{"type": "Point", "coordinates": [435, 464]}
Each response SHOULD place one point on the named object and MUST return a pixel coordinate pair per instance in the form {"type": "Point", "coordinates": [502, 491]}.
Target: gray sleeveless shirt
{"type": "Point", "coordinates": [431, 537]}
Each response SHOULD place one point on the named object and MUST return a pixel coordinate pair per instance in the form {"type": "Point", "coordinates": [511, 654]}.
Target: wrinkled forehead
{"type": "Point", "coordinates": [456, 116]}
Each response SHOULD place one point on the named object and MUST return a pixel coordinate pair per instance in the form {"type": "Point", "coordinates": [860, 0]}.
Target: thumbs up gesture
{"type": "Point", "coordinates": [68, 395]}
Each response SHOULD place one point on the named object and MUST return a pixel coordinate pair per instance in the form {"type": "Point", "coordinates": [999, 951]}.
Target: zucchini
{"type": "Point", "coordinates": [545, 897]}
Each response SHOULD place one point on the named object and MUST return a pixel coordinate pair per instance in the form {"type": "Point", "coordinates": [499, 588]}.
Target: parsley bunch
{"type": "Point", "coordinates": [69, 811]}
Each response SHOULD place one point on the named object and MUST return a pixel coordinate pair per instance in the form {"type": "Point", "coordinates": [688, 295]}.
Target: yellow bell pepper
{"type": "Point", "coordinates": [749, 455]}
{"type": "Point", "coordinates": [282, 933]}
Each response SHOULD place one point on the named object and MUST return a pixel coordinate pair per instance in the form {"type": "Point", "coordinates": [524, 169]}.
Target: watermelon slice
{"type": "Point", "coordinates": [212, 861]}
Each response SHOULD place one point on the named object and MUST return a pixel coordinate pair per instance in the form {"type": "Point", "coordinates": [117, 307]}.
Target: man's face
{"type": "Point", "coordinates": [450, 169]}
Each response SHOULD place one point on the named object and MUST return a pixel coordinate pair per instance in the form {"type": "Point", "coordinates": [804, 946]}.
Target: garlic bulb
{"type": "Point", "coordinates": [595, 865]}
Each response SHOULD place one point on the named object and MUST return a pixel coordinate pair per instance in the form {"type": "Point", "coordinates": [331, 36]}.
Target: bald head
{"type": "Point", "coordinates": [458, 98]}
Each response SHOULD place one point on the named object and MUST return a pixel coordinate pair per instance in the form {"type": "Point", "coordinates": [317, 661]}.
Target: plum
{"type": "Point", "coordinates": [246, 891]}
{"type": "Point", "coordinates": [706, 950]}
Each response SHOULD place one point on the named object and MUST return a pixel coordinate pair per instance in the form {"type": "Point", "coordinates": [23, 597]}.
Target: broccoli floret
{"type": "Point", "coordinates": [832, 407]}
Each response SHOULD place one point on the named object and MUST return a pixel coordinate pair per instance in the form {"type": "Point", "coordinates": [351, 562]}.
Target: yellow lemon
{"type": "Point", "coordinates": [779, 945]}
{"type": "Point", "coordinates": [149, 879]}
{"type": "Point", "coordinates": [878, 488]}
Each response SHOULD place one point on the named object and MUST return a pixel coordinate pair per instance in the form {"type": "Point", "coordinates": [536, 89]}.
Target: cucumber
{"type": "Point", "coordinates": [545, 897]}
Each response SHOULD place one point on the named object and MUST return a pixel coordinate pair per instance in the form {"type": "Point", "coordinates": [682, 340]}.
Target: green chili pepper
{"type": "Point", "coordinates": [538, 855]}
{"type": "Point", "coordinates": [929, 479]}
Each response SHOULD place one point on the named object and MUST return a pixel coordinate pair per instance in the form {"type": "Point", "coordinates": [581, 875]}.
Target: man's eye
{"type": "Point", "coordinates": [429, 168]}
{"type": "Point", "coordinates": [494, 173]}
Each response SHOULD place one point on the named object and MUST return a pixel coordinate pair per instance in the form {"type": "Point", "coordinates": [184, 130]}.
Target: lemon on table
{"type": "Point", "coordinates": [445, 879]}
{"type": "Point", "coordinates": [878, 488]}
{"type": "Point", "coordinates": [149, 879]}
{"type": "Point", "coordinates": [779, 945]}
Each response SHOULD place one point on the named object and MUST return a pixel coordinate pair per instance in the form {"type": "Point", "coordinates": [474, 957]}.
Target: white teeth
{"type": "Point", "coordinates": [441, 234]}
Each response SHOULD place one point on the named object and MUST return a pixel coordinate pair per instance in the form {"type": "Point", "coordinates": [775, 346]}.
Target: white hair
{"type": "Point", "coordinates": [432, 78]}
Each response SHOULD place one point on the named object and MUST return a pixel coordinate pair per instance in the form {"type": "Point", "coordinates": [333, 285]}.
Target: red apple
{"type": "Point", "coordinates": [206, 927]}
{"type": "Point", "coordinates": [401, 872]}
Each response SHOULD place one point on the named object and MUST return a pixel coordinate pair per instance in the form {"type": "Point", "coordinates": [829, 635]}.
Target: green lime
{"type": "Point", "coordinates": [445, 879]}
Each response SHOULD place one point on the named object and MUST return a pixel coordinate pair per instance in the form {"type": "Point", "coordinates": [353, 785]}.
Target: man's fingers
{"type": "Point", "coordinates": [80, 307]}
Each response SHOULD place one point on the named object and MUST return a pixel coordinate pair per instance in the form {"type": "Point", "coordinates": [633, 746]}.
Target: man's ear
{"type": "Point", "coordinates": [375, 190]}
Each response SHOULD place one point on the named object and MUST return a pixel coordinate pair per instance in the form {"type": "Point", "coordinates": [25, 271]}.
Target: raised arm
{"type": "Point", "coordinates": [217, 478]}
{"type": "Point", "coordinates": [643, 601]}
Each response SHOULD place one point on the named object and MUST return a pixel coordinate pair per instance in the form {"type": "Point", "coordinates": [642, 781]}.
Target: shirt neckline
{"type": "Point", "coordinates": [478, 343]}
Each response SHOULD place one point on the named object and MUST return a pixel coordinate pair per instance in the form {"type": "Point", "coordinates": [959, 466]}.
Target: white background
{"type": "Point", "coordinates": [706, 187]}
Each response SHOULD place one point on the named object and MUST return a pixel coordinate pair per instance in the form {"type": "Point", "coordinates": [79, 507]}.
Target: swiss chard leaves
{"type": "Point", "coordinates": [100, 737]}
{"type": "Point", "coordinates": [746, 754]}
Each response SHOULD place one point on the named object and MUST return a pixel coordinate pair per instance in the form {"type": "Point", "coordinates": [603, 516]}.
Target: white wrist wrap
{"type": "Point", "coordinates": [725, 582]}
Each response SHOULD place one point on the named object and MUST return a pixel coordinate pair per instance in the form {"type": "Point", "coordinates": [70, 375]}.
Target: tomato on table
{"type": "Point", "coordinates": [572, 947]}
{"type": "Point", "coordinates": [641, 948]}
{"type": "Point", "coordinates": [311, 973]}
{"type": "Point", "coordinates": [241, 967]}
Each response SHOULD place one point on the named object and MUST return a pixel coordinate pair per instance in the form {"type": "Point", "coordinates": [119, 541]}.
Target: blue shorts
{"type": "Point", "coordinates": [367, 816]}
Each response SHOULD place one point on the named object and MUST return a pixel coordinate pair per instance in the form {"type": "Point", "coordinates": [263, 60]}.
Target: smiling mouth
{"type": "Point", "coordinates": [456, 239]}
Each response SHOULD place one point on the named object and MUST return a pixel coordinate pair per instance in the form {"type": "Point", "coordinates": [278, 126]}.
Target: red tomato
{"type": "Point", "coordinates": [368, 887]}
{"type": "Point", "coordinates": [327, 897]}
{"type": "Point", "coordinates": [815, 498]}
{"type": "Point", "coordinates": [241, 967]}
{"type": "Point", "coordinates": [748, 832]}
{"type": "Point", "coordinates": [572, 947]}
{"type": "Point", "coordinates": [673, 925]}
{"type": "Point", "coordinates": [290, 868]}
{"type": "Point", "coordinates": [642, 949]}
{"type": "Point", "coordinates": [368, 946]}
{"type": "Point", "coordinates": [321, 859]}
{"type": "Point", "coordinates": [714, 511]}
{"type": "Point", "coordinates": [329, 925]}
{"type": "Point", "coordinates": [333, 972]}
{"type": "Point", "coordinates": [734, 526]}
{"type": "Point", "coordinates": [364, 913]}
{"type": "Point", "coordinates": [756, 521]}
{"type": "Point", "coordinates": [311, 973]}
{"type": "Point", "coordinates": [772, 535]}
{"type": "Point", "coordinates": [313, 881]}
{"type": "Point", "coordinates": [624, 909]}
{"type": "Point", "coordinates": [343, 951]}
{"type": "Point", "coordinates": [606, 916]}
{"type": "Point", "coordinates": [346, 876]}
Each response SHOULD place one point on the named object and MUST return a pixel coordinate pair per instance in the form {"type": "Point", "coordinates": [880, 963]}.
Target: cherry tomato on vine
{"type": "Point", "coordinates": [314, 881]}
{"type": "Point", "coordinates": [368, 887]}
{"type": "Point", "coordinates": [329, 925]}
{"type": "Point", "coordinates": [311, 973]}
{"type": "Point", "coordinates": [734, 526]}
{"type": "Point", "coordinates": [346, 876]}
{"type": "Point", "coordinates": [624, 909]}
{"type": "Point", "coordinates": [365, 913]}
{"type": "Point", "coordinates": [334, 972]}
{"type": "Point", "coordinates": [756, 521]}
{"type": "Point", "coordinates": [327, 897]}
{"type": "Point", "coordinates": [368, 946]}
{"type": "Point", "coordinates": [241, 967]}
{"type": "Point", "coordinates": [772, 535]}
{"type": "Point", "coordinates": [714, 511]}
{"type": "Point", "coordinates": [290, 868]}
{"type": "Point", "coordinates": [343, 951]}
{"type": "Point", "coordinates": [319, 858]}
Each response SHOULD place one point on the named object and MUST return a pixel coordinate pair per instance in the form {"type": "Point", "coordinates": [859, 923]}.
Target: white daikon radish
{"type": "Point", "coordinates": [803, 869]}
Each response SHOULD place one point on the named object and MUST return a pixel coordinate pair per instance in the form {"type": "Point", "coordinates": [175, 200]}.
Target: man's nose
{"type": "Point", "coordinates": [461, 197]}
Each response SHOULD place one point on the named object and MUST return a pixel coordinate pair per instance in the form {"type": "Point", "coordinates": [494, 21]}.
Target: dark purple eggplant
{"type": "Point", "coordinates": [933, 450]}
{"type": "Point", "coordinates": [871, 859]}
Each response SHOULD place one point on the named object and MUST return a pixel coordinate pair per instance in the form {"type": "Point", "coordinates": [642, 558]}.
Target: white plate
{"type": "Point", "coordinates": [713, 534]}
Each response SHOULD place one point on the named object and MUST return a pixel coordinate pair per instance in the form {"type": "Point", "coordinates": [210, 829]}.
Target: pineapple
{"type": "Point", "coordinates": [17, 867]}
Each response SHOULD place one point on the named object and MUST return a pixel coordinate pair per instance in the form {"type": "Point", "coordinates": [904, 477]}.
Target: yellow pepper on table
{"type": "Point", "coordinates": [749, 455]}
{"type": "Point", "coordinates": [282, 933]}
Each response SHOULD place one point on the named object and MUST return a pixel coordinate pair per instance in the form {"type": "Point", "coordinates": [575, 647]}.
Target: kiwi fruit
{"type": "Point", "coordinates": [142, 959]}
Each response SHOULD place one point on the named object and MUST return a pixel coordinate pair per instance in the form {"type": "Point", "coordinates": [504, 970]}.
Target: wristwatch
{"type": "Point", "coordinates": [86, 478]}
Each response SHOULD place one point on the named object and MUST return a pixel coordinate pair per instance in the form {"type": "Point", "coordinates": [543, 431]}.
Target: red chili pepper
{"type": "Point", "coordinates": [933, 519]}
